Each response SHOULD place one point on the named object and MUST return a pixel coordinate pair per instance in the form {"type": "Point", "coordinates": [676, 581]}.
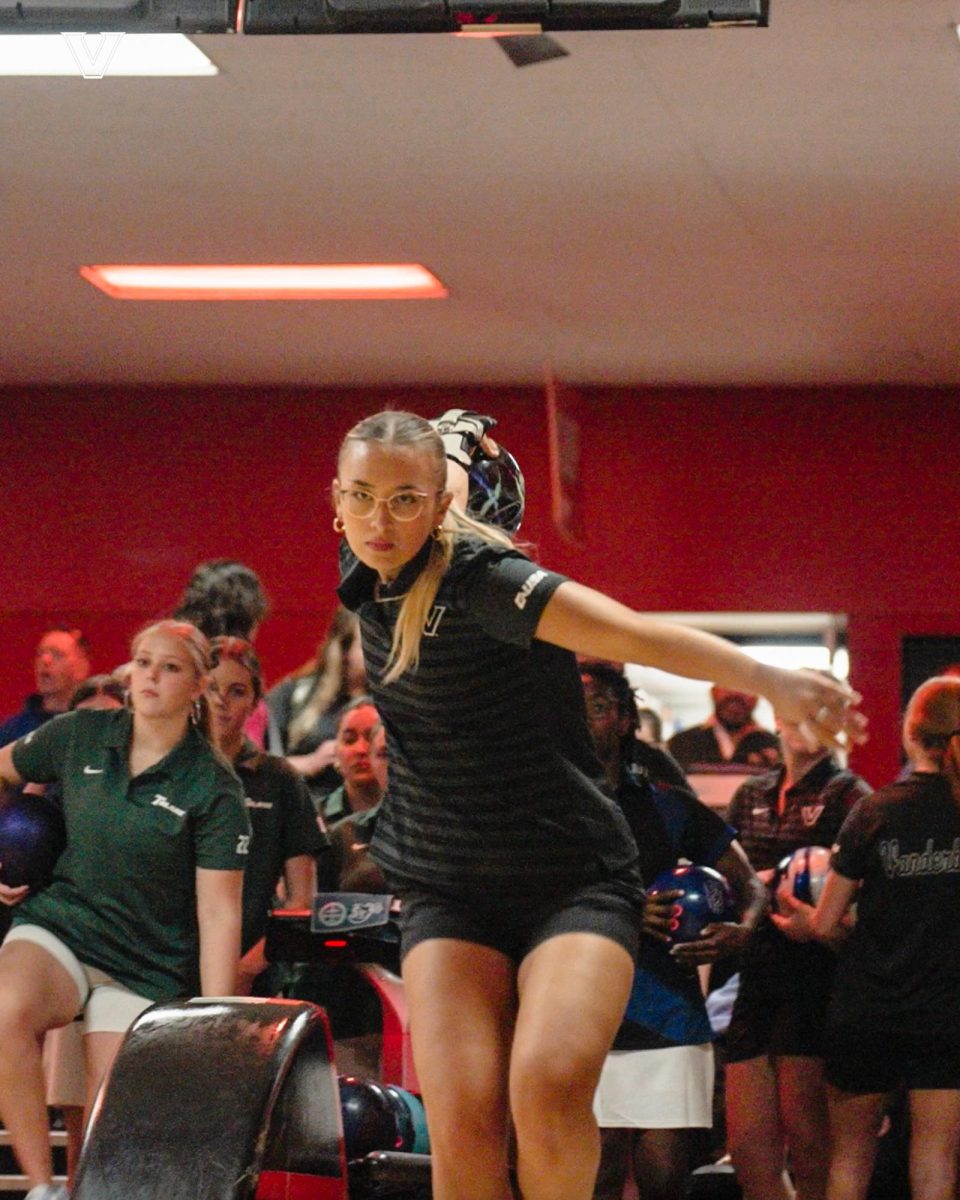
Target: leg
{"type": "Point", "coordinates": [565, 1025]}
{"type": "Point", "coordinates": [661, 1163]}
{"type": "Point", "coordinates": [854, 1126]}
{"type": "Point", "coordinates": [803, 1111]}
{"type": "Point", "coordinates": [36, 994]}
{"type": "Point", "coordinates": [73, 1123]}
{"type": "Point", "coordinates": [462, 1002]}
{"type": "Point", "coordinates": [754, 1133]}
{"type": "Point", "coordinates": [612, 1172]}
{"type": "Point", "coordinates": [934, 1143]}
{"type": "Point", "coordinates": [100, 1049]}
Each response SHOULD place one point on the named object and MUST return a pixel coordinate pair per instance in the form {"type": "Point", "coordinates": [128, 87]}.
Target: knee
{"type": "Point", "coordinates": [542, 1084]}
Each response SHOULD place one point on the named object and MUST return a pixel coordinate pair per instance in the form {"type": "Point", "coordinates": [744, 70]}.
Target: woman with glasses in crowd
{"type": "Point", "coordinates": [517, 876]}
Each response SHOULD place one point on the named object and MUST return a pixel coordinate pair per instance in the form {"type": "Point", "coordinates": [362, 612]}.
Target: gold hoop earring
{"type": "Point", "coordinates": [337, 525]}
{"type": "Point", "coordinates": [437, 533]}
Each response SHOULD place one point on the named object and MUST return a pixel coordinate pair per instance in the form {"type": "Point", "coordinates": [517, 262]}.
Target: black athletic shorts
{"type": "Point", "coordinates": [868, 1062]}
{"type": "Point", "coordinates": [773, 1023]}
{"type": "Point", "coordinates": [612, 908]}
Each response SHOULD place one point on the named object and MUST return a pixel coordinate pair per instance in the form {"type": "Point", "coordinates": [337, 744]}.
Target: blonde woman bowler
{"type": "Point", "coordinates": [518, 877]}
{"type": "Point", "coordinates": [145, 900]}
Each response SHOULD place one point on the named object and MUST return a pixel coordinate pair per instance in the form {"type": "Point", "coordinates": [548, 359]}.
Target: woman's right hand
{"type": "Point", "coordinates": [658, 913]}
{"type": "Point", "coordinates": [12, 895]}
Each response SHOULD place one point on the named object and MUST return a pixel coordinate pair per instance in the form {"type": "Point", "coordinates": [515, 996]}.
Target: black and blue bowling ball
{"type": "Point", "coordinates": [411, 1120]}
{"type": "Point", "coordinates": [32, 838]}
{"type": "Point", "coordinates": [706, 898]}
{"type": "Point", "coordinates": [497, 493]}
{"type": "Point", "coordinates": [369, 1117]}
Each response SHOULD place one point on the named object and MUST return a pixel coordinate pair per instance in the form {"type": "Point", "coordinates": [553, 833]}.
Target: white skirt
{"type": "Point", "coordinates": [656, 1089]}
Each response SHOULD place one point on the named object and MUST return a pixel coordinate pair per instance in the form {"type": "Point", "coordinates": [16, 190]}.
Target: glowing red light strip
{"type": "Point", "coordinates": [338, 281]}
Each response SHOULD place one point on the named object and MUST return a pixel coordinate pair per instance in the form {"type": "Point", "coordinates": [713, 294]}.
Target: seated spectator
{"type": "Point", "coordinates": [285, 838]}
{"type": "Point", "coordinates": [657, 1082]}
{"type": "Point", "coordinates": [305, 706]}
{"type": "Point", "coordinates": [364, 773]}
{"type": "Point", "coordinates": [62, 661]}
{"type": "Point", "coordinates": [729, 735]}
{"type": "Point", "coordinates": [64, 1067]}
{"type": "Point", "coordinates": [350, 837]}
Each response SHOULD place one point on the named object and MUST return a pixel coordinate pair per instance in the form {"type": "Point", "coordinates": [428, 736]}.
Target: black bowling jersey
{"type": "Point", "coordinates": [493, 782]}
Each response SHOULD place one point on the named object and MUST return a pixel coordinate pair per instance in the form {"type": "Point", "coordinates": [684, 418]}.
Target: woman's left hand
{"type": "Point", "coordinates": [825, 709]}
{"type": "Point", "coordinates": [798, 924]}
{"type": "Point", "coordinates": [720, 939]}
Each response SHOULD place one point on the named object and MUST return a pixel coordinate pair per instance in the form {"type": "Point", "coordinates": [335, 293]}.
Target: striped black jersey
{"type": "Point", "coordinates": [493, 782]}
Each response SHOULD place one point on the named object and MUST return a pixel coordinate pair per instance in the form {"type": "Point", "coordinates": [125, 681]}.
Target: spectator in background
{"type": "Point", "coordinates": [350, 837]}
{"type": "Point", "coordinates": [145, 900]}
{"type": "Point", "coordinates": [225, 598]}
{"type": "Point", "coordinates": [729, 735]}
{"type": "Point", "coordinates": [62, 661]}
{"type": "Point", "coordinates": [363, 769]}
{"type": "Point", "coordinates": [286, 839]}
{"type": "Point", "coordinates": [894, 1016]}
{"type": "Point", "coordinates": [614, 719]}
{"type": "Point", "coordinates": [776, 1095]}
{"type": "Point", "coordinates": [657, 1082]}
{"type": "Point", "coordinates": [305, 706]}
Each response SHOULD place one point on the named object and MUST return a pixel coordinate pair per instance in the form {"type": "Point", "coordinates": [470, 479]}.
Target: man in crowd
{"type": "Point", "coordinates": [62, 662]}
{"type": "Point", "coordinates": [729, 735]}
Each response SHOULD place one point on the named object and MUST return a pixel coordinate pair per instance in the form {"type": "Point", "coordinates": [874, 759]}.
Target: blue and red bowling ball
{"type": "Point", "coordinates": [32, 838]}
{"type": "Point", "coordinates": [802, 875]}
{"type": "Point", "coordinates": [706, 898]}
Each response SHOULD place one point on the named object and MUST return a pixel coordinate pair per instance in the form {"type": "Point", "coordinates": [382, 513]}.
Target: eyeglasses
{"type": "Point", "coordinates": [402, 506]}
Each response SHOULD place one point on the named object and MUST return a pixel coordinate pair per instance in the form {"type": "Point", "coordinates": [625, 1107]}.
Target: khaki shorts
{"type": "Point", "coordinates": [103, 1006]}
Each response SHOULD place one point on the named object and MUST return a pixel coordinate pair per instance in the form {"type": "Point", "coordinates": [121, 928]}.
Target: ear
{"type": "Point", "coordinates": [200, 686]}
{"type": "Point", "coordinates": [335, 496]}
{"type": "Point", "coordinates": [445, 501]}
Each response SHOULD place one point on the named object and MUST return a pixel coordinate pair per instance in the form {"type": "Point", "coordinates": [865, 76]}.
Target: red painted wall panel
{"type": "Point", "coordinates": [834, 500]}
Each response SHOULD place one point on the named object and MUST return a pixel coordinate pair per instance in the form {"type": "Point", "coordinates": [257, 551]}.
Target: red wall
{"type": "Point", "coordinates": [834, 500]}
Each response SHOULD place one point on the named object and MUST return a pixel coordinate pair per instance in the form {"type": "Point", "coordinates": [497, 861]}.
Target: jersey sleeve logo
{"type": "Point", "coordinates": [521, 598]}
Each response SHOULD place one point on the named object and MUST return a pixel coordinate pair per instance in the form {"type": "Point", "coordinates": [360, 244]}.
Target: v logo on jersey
{"type": "Point", "coordinates": [433, 621]}
{"type": "Point", "coordinates": [810, 813]}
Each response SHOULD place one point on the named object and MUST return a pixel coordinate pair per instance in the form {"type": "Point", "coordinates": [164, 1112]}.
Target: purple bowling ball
{"type": "Point", "coordinates": [32, 838]}
{"type": "Point", "coordinates": [706, 898]}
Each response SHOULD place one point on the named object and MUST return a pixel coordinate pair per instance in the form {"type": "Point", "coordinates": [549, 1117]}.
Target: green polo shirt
{"type": "Point", "coordinates": [123, 895]}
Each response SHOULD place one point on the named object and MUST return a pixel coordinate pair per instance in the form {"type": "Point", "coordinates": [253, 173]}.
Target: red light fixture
{"type": "Point", "coordinates": [334, 281]}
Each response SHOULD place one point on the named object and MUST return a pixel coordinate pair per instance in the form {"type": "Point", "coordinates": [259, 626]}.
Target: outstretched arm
{"type": "Point", "coordinates": [588, 622]}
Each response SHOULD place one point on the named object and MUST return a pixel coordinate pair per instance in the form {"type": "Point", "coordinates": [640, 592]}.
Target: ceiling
{"type": "Point", "coordinates": [732, 206]}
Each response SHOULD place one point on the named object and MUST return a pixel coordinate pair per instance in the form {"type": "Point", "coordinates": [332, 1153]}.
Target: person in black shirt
{"type": "Point", "coordinates": [776, 1099]}
{"type": "Point", "coordinates": [894, 1016]}
{"type": "Point", "coordinates": [285, 836]}
{"type": "Point", "coordinates": [517, 875]}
